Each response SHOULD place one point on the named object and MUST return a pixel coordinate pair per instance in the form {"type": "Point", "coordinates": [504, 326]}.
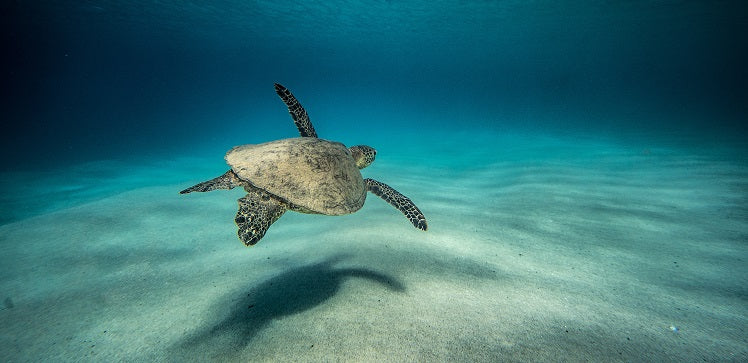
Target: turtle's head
{"type": "Point", "coordinates": [363, 155]}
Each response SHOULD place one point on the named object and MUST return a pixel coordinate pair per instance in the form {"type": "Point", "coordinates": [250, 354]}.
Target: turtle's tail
{"type": "Point", "coordinates": [228, 180]}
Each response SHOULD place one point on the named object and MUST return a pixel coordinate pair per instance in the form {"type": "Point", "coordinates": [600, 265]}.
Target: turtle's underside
{"type": "Point", "coordinates": [305, 174]}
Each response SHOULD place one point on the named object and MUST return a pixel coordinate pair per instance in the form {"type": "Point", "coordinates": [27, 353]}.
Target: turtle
{"type": "Point", "coordinates": [305, 174]}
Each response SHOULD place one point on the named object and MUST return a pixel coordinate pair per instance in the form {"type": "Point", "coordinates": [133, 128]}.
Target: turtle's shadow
{"type": "Point", "coordinates": [291, 292]}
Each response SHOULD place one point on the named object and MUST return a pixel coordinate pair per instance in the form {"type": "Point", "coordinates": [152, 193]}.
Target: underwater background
{"type": "Point", "coordinates": [583, 166]}
{"type": "Point", "coordinates": [106, 79]}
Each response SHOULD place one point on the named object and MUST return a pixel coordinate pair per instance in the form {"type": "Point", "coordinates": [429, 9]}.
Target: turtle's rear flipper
{"type": "Point", "coordinates": [228, 180]}
{"type": "Point", "coordinates": [257, 211]}
{"type": "Point", "coordinates": [399, 201]}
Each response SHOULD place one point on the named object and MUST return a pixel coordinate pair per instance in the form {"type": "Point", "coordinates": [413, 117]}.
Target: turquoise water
{"type": "Point", "coordinates": [582, 166]}
{"type": "Point", "coordinates": [115, 79]}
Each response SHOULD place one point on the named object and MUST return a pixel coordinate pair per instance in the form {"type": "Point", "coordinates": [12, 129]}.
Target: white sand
{"type": "Point", "coordinates": [538, 249]}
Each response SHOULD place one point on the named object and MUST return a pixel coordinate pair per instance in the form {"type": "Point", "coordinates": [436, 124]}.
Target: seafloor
{"type": "Point", "coordinates": [565, 247]}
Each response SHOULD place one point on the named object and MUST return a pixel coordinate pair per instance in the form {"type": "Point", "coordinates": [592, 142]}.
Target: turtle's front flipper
{"type": "Point", "coordinates": [228, 180]}
{"type": "Point", "coordinates": [299, 115]}
{"type": "Point", "coordinates": [399, 201]}
{"type": "Point", "coordinates": [257, 211]}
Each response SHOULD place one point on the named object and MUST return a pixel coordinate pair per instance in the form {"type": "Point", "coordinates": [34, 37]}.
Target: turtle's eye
{"type": "Point", "coordinates": [363, 155]}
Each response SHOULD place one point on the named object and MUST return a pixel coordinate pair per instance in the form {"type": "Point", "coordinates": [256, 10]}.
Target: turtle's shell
{"type": "Point", "coordinates": [313, 173]}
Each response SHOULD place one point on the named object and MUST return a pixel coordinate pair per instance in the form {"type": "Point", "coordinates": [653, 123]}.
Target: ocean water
{"type": "Point", "coordinates": [582, 166]}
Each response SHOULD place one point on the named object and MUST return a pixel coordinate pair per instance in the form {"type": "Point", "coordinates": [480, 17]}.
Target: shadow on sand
{"type": "Point", "coordinates": [291, 292]}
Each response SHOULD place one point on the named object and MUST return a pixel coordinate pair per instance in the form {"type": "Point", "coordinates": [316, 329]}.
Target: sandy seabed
{"type": "Point", "coordinates": [538, 249]}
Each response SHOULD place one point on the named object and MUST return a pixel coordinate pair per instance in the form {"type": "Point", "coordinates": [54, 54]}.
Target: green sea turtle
{"type": "Point", "coordinates": [304, 174]}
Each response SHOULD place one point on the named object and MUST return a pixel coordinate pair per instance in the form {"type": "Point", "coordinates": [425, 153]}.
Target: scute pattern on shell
{"type": "Point", "coordinates": [316, 174]}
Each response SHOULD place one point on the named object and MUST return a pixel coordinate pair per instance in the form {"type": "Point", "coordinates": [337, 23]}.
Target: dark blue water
{"type": "Point", "coordinates": [93, 80]}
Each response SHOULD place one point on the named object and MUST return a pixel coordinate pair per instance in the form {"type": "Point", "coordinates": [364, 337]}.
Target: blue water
{"type": "Point", "coordinates": [531, 133]}
{"type": "Point", "coordinates": [122, 79]}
